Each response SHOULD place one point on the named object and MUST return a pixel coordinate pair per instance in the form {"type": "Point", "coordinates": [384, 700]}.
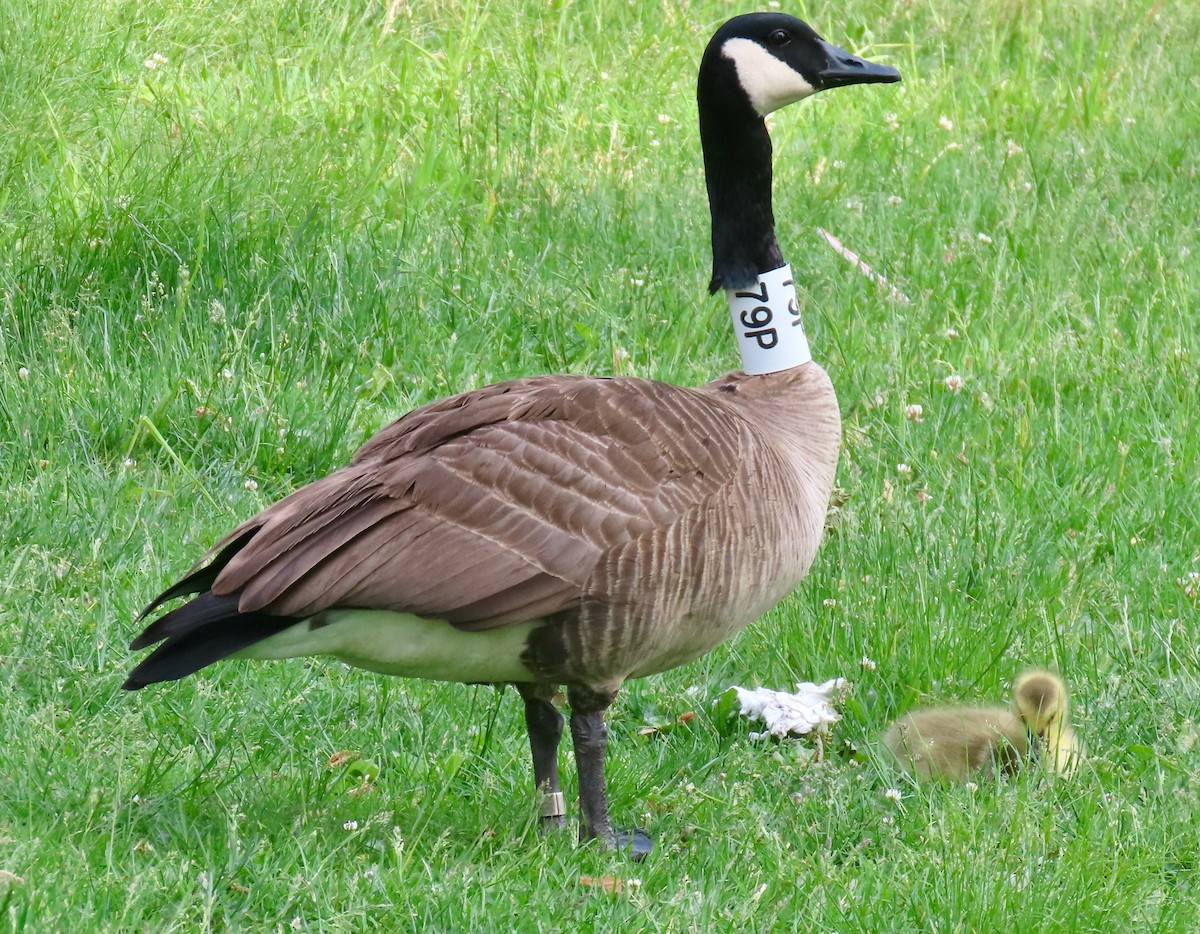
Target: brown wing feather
{"type": "Point", "coordinates": [490, 507]}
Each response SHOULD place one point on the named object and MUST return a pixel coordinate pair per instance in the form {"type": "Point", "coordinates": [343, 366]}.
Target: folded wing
{"type": "Point", "coordinates": [484, 509]}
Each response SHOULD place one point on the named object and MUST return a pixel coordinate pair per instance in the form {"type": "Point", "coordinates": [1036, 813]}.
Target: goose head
{"type": "Point", "coordinates": [753, 65]}
{"type": "Point", "coordinates": [1040, 700]}
{"type": "Point", "coordinates": [770, 60]}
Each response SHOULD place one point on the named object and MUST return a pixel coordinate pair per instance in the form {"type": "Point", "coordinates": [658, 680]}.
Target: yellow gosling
{"type": "Point", "coordinates": [1040, 700]}
{"type": "Point", "coordinates": [956, 743]}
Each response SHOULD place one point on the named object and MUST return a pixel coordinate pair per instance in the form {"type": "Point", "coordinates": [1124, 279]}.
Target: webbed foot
{"type": "Point", "coordinates": [636, 843]}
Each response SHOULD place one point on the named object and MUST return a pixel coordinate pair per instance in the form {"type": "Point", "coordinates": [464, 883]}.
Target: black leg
{"type": "Point", "coordinates": [545, 725]}
{"type": "Point", "coordinates": [590, 735]}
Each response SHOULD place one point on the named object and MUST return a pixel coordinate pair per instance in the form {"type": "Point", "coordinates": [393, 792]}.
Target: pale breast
{"type": "Point", "coordinates": [677, 591]}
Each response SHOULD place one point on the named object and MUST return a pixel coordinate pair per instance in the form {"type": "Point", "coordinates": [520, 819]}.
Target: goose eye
{"type": "Point", "coordinates": [779, 38]}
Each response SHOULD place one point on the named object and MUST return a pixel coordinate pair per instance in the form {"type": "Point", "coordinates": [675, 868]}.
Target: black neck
{"type": "Point", "coordinates": [737, 167]}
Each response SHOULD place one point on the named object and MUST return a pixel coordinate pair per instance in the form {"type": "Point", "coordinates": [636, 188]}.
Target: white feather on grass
{"type": "Point", "coordinates": [855, 260]}
{"type": "Point", "coordinates": [809, 709]}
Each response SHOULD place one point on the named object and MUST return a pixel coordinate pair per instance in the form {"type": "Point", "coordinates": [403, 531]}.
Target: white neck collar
{"type": "Point", "coordinates": [766, 322]}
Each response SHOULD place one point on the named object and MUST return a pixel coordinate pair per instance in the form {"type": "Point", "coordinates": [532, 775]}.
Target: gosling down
{"type": "Point", "coordinates": [565, 530]}
{"type": "Point", "coordinates": [957, 743]}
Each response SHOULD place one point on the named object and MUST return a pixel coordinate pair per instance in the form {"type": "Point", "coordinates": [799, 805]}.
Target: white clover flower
{"type": "Point", "coordinates": [945, 122]}
{"type": "Point", "coordinates": [23, 373]}
{"type": "Point", "coordinates": [904, 470]}
{"type": "Point", "coordinates": [867, 663]}
{"type": "Point", "coordinates": [350, 825]}
{"type": "Point", "coordinates": [895, 199]}
{"type": "Point", "coordinates": [954, 382]}
{"type": "Point", "coordinates": [664, 119]}
{"type": "Point", "coordinates": [1012, 148]}
{"type": "Point", "coordinates": [914, 411]}
{"type": "Point", "coordinates": [893, 794]}
{"type": "Point", "coordinates": [297, 924]}
{"type": "Point", "coordinates": [971, 787]}
{"type": "Point", "coordinates": [983, 238]}
{"type": "Point", "coordinates": [251, 485]}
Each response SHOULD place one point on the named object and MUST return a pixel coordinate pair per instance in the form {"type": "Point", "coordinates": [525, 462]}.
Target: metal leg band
{"type": "Point", "coordinates": [553, 804]}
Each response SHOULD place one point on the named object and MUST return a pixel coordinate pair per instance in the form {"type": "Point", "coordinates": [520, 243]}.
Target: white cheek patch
{"type": "Point", "coordinates": [768, 82]}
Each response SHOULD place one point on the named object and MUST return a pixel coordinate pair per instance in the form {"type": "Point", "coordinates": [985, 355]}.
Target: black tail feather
{"type": "Point", "coordinates": [202, 611]}
{"type": "Point", "coordinates": [200, 579]}
{"type": "Point", "coordinates": [200, 632]}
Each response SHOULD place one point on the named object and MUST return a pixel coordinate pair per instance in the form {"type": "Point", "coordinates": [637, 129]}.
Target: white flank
{"type": "Point", "coordinates": [402, 644]}
{"type": "Point", "coordinates": [767, 81]}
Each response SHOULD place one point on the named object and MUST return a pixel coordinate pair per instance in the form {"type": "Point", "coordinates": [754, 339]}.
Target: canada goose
{"type": "Point", "coordinates": [957, 742]}
{"type": "Point", "coordinates": [565, 529]}
{"type": "Point", "coordinates": [1040, 699]}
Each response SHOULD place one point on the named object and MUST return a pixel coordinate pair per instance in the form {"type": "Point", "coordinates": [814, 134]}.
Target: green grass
{"type": "Point", "coordinates": [239, 263]}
